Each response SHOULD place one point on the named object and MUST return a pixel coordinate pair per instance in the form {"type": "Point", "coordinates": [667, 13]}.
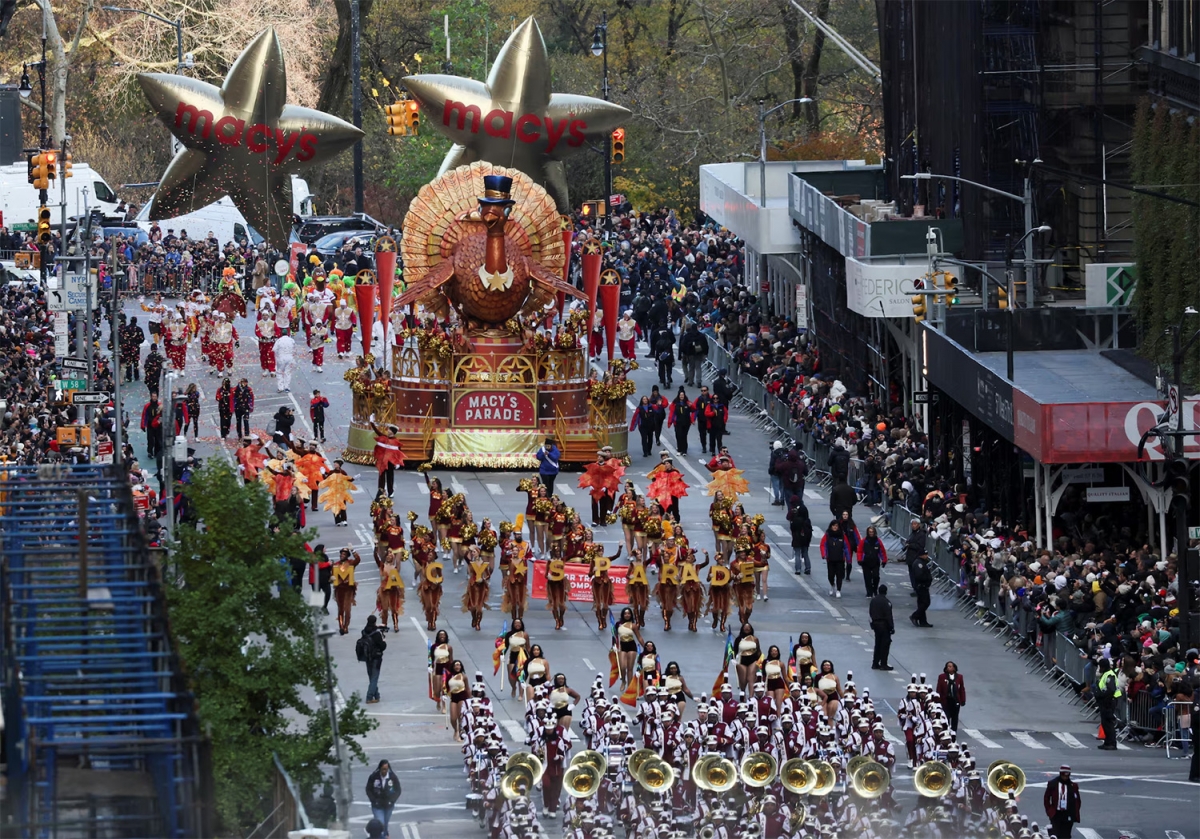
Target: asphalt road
{"type": "Point", "coordinates": [1010, 713]}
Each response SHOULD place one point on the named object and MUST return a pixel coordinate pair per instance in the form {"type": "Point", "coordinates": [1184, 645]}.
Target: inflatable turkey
{"type": "Point", "coordinates": [486, 241]}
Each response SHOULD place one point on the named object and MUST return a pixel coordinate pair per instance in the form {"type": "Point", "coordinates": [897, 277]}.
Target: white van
{"type": "Point", "coordinates": [224, 219]}
{"type": "Point", "coordinates": [19, 200]}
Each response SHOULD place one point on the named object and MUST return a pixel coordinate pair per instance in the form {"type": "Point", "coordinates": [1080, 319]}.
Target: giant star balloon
{"type": "Point", "coordinates": [241, 140]}
{"type": "Point", "coordinates": [513, 119]}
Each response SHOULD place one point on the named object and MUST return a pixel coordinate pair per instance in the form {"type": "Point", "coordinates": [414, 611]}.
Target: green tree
{"type": "Point", "coordinates": [247, 642]}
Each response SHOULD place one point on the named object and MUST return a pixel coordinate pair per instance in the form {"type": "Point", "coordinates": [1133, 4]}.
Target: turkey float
{"type": "Point", "coordinates": [486, 241]}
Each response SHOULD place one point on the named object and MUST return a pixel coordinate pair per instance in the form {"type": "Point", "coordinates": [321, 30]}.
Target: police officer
{"type": "Point", "coordinates": [922, 579]}
{"type": "Point", "coordinates": [1108, 693]}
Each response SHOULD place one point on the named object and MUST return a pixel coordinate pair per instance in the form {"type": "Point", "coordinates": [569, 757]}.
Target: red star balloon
{"type": "Point", "coordinates": [513, 119]}
{"type": "Point", "coordinates": [241, 140]}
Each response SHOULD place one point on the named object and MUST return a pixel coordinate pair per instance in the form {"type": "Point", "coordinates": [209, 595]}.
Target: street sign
{"type": "Point", "coordinates": [922, 397]}
{"type": "Point", "coordinates": [61, 337]}
{"type": "Point", "coordinates": [1172, 403]}
{"type": "Point", "coordinates": [104, 451]}
{"type": "Point", "coordinates": [77, 289]}
{"type": "Point", "coordinates": [89, 397]}
{"type": "Point", "coordinates": [71, 384]}
{"type": "Point", "coordinates": [70, 363]}
{"type": "Point", "coordinates": [1194, 532]}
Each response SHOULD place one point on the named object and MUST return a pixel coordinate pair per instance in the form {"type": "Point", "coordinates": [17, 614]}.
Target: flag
{"type": "Point", "coordinates": [498, 653]}
{"type": "Point", "coordinates": [725, 665]}
{"type": "Point", "coordinates": [521, 659]}
{"type": "Point", "coordinates": [632, 691]}
{"type": "Point", "coordinates": [791, 665]}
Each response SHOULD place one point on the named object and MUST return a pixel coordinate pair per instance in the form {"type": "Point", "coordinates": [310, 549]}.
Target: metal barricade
{"type": "Point", "coordinates": [1072, 661]}
{"type": "Point", "coordinates": [1145, 717]}
{"type": "Point", "coordinates": [1177, 726]}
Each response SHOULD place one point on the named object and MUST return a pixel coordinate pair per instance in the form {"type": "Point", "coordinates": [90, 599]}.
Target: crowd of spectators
{"type": "Point", "coordinates": [1113, 596]}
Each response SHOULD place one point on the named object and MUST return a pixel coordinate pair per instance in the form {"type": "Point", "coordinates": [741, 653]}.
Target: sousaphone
{"type": "Point", "coordinates": [798, 776]}
{"type": "Point", "coordinates": [932, 779]}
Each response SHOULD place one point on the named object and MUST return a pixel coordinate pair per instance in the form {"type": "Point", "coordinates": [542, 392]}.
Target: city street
{"type": "Point", "coordinates": [1009, 713]}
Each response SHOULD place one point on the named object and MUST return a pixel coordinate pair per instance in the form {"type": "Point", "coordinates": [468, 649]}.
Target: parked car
{"type": "Point", "coordinates": [332, 243]}
{"type": "Point", "coordinates": [309, 230]}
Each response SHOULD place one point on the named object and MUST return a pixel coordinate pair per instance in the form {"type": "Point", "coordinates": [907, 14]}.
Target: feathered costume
{"type": "Point", "coordinates": [475, 598]}
{"type": "Point", "coordinates": [602, 478]}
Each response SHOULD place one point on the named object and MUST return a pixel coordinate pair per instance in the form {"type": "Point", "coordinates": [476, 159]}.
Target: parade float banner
{"type": "Point", "coordinates": [385, 275]}
{"type": "Point", "coordinates": [490, 408]}
{"type": "Point", "coordinates": [581, 580]}
{"type": "Point", "coordinates": [364, 298]}
{"type": "Point", "coordinates": [592, 259]}
{"type": "Point", "coordinates": [610, 302]}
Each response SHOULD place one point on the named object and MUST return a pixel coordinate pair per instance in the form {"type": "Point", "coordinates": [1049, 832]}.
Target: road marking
{"type": "Point", "coordinates": [1088, 833]}
{"type": "Point", "coordinates": [456, 486]}
{"type": "Point", "coordinates": [514, 729]}
{"type": "Point", "coordinates": [404, 714]}
{"type": "Point", "coordinates": [564, 489]}
{"type": "Point", "coordinates": [1070, 739]}
{"type": "Point", "coordinates": [816, 496]}
{"type": "Point", "coordinates": [980, 740]}
{"type": "Point", "coordinates": [1026, 739]}
{"type": "Point", "coordinates": [892, 738]}
{"type": "Point", "coordinates": [495, 489]}
{"type": "Point", "coordinates": [420, 629]}
{"type": "Point", "coordinates": [1121, 747]}
{"type": "Point", "coordinates": [589, 665]}
{"type": "Point", "coordinates": [780, 532]}
{"type": "Point", "coordinates": [424, 490]}
{"type": "Point", "coordinates": [301, 415]}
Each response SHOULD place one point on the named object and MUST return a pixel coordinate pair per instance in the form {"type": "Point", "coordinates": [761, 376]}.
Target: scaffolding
{"type": "Point", "coordinates": [102, 737]}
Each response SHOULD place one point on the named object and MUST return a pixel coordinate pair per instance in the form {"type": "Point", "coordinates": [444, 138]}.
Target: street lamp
{"type": "Point", "coordinates": [600, 50]}
{"type": "Point", "coordinates": [1009, 249]}
{"type": "Point", "coordinates": [1025, 199]}
{"type": "Point", "coordinates": [762, 142]}
{"type": "Point", "coordinates": [324, 633]}
{"type": "Point", "coordinates": [177, 25]}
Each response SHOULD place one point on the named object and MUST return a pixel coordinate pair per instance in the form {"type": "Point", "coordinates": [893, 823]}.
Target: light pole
{"type": "Point", "coordinates": [1009, 249]}
{"type": "Point", "coordinates": [177, 25]}
{"type": "Point", "coordinates": [324, 633]}
{"type": "Point", "coordinates": [182, 61]}
{"type": "Point", "coordinates": [600, 50]}
{"type": "Point", "coordinates": [356, 101]}
{"type": "Point", "coordinates": [763, 113]}
{"type": "Point", "coordinates": [1025, 199]}
{"type": "Point", "coordinates": [25, 89]}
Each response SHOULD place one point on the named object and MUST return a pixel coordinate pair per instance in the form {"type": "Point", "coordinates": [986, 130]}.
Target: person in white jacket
{"type": "Point", "coordinates": [285, 360]}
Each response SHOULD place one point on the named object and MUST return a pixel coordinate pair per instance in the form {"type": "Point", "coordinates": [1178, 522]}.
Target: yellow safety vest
{"type": "Point", "coordinates": [1103, 684]}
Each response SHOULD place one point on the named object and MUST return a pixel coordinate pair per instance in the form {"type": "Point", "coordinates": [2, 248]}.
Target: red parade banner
{"type": "Point", "coordinates": [494, 409]}
{"type": "Point", "coordinates": [385, 275]}
{"type": "Point", "coordinates": [568, 233]}
{"type": "Point", "coordinates": [364, 298]}
{"type": "Point", "coordinates": [610, 302]}
{"type": "Point", "coordinates": [295, 252]}
{"type": "Point", "coordinates": [592, 259]}
{"type": "Point", "coordinates": [581, 581]}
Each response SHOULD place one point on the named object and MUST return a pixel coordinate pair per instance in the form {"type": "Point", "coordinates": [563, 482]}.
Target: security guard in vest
{"type": "Point", "coordinates": [1108, 694]}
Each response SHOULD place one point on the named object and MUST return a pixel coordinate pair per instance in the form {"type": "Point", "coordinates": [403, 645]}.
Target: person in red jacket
{"type": "Point", "coordinates": [951, 692]}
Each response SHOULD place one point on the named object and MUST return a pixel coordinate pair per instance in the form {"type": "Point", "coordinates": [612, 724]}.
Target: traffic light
{"type": "Point", "coordinates": [397, 117]}
{"type": "Point", "coordinates": [618, 145]}
{"type": "Point", "coordinates": [30, 159]}
{"type": "Point", "coordinates": [41, 175]}
{"type": "Point", "coordinates": [66, 165]}
{"type": "Point", "coordinates": [950, 283]}
{"type": "Point", "coordinates": [918, 304]}
{"type": "Point", "coordinates": [414, 116]}
{"type": "Point", "coordinates": [1176, 477]}
{"type": "Point", "coordinates": [51, 158]}
{"type": "Point", "coordinates": [44, 234]}
{"type": "Point", "coordinates": [1001, 297]}
{"type": "Point", "coordinates": [592, 209]}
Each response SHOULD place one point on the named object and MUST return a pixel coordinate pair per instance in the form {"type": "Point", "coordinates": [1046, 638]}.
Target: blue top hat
{"type": "Point", "coordinates": [497, 189]}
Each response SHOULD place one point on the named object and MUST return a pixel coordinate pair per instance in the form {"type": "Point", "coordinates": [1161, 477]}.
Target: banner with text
{"type": "Point", "coordinates": [876, 290]}
{"type": "Point", "coordinates": [581, 581]}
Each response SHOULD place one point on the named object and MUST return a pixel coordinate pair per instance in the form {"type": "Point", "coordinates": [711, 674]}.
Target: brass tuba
{"type": "Point", "coordinates": [715, 773]}
{"type": "Point", "coordinates": [759, 769]}
{"type": "Point", "coordinates": [656, 775]}
{"type": "Point", "coordinates": [1005, 779]}
{"type": "Point", "coordinates": [798, 776]}
{"type": "Point", "coordinates": [707, 832]}
{"type": "Point", "coordinates": [932, 779]}
{"type": "Point", "coordinates": [593, 757]}
{"type": "Point", "coordinates": [857, 762]}
{"type": "Point", "coordinates": [826, 777]}
{"type": "Point", "coordinates": [582, 780]}
{"type": "Point", "coordinates": [517, 782]}
{"type": "Point", "coordinates": [536, 767]}
{"type": "Point", "coordinates": [871, 779]}
{"type": "Point", "coordinates": [635, 761]}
